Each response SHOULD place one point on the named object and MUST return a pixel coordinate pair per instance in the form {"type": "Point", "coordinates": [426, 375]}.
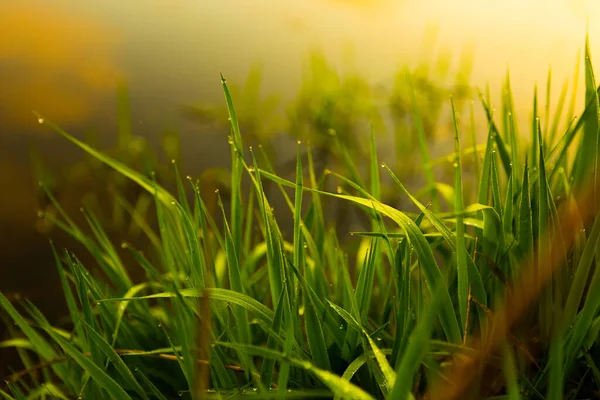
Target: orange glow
{"type": "Point", "coordinates": [57, 62]}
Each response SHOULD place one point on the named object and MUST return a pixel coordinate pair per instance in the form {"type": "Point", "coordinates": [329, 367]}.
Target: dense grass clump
{"type": "Point", "coordinates": [495, 296]}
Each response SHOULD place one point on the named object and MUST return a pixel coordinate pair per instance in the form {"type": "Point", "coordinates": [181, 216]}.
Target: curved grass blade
{"type": "Point", "coordinates": [340, 387]}
{"type": "Point", "coordinates": [163, 195]}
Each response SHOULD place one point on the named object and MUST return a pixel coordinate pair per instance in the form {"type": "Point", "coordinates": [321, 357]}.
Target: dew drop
{"type": "Point", "coordinates": [173, 161]}
{"type": "Point", "coordinates": [455, 165]}
{"type": "Point", "coordinates": [339, 190]}
{"type": "Point", "coordinates": [124, 245]}
{"type": "Point", "coordinates": [40, 214]}
{"type": "Point", "coordinates": [216, 190]}
{"type": "Point", "coordinates": [173, 202]}
{"type": "Point", "coordinates": [299, 142]}
{"type": "Point", "coordinates": [250, 148]}
{"type": "Point", "coordinates": [331, 132]}
{"type": "Point", "coordinates": [160, 325]}
{"type": "Point", "coordinates": [250, 169]}
{"type": "Point", "coordinates": [40, 120]}
{"type": "Point", "coordinates": [229, 140]}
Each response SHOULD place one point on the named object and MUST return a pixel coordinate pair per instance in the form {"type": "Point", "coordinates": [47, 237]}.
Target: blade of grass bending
{"type": "Point", "coordinates": [164, 196]}
{"type": "Point", "coordinates": [335, 383]}
{"type": "Point", "coordinates": [257, 308]}
{"type": "Point", "coordinates": [461, 255]}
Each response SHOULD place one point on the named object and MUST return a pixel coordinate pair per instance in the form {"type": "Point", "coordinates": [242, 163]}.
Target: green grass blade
{"type": "Point", "coordinates": [461, 255]}
{"type": "Point", "coordinates": [164, 196]}
{"type": "Point", "coordinates": [115, 359]}
{"type": "Point", "coordinates": [101, 377]}
{"type": "Point", "coordinates": [416, 349]}
{"type": "Point", "coordinates": [336, 384]}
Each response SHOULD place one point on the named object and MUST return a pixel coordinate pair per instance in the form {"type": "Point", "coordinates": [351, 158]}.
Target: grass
{"type": "Point", "coordinates": [494, 297]}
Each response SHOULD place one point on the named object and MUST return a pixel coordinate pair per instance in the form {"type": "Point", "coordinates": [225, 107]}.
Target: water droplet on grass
{"type": "Point", "coordinates": [339, 190]}
{"type": "Point", "coordinates": [40, 120]}
{"type": "Point", "coordinates": [251, 169]}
